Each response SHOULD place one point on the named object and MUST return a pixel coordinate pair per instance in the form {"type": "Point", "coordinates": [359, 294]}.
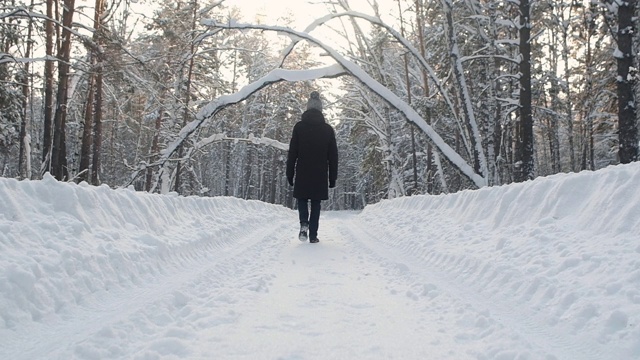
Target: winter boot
{"type": "Point", "coordinates": [303, 234]}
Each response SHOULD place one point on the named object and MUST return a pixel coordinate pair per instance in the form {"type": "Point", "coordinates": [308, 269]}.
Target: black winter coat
{"type": "Point", "coordinates": [313, 154]}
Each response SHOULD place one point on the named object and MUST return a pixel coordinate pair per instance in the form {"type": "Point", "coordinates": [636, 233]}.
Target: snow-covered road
{"type": "Point", "coordinates": [271, 296]}
{"type": "Point", "coordinates": [525, 271]}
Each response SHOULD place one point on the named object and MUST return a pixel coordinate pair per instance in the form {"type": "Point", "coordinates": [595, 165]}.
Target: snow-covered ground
{"type": "Point", "coordinates": [548, 269]}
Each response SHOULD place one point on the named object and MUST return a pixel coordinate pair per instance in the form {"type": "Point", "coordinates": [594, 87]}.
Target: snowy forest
{"type": "Point", "coordinates": [426, 97]}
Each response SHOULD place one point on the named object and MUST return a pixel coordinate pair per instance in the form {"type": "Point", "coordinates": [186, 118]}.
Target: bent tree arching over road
{"type": "Point", "coordinates": [343, 67]}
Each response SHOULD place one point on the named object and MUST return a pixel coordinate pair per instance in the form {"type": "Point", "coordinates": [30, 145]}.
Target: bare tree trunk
{"type": "Point", "coordinates": [524, 153]}
{"type": "Point", "coordinates": [155, 147]}
{"type": "Point", "coordinates": [431, 158]}
{"type": "Point", "coordinates": [92, 111]}
{"type": "Point", "coordinates": [24, 160]}
{"type": "Point", "coordinates": [261, 176]}
{"type": "Point", "coordinates": [492, 105]}
{"type": "Point", "coordinates": [248, 173]}
{"type": "Point", "coordinates": [87, 132]}
{"type": "Point", "coordinates": [48, 91]}
{"type": "Point", "coordinates": [56, 13]}
{"type": "Point", "coordinates": [407, 80]}
{"type": "Point", "coordinates": [567, 81]}
{"type": "Point", "coordinates": [187, 95]}
{"type": "Point", "coordinates": [490, 109]}
{"type": "Point", "coordinates": [59, 150]}
{"type": "Point", "coordinates": [593, 9]}
{"type": "Point", "coordinates": [553, 128]}
{"type": "Point", "coordinates": [96, 163]}
{"type": "Point", "coordinates": [273, 180]}
{"type": "Point", "coordinates": [627, 122]}
{"type": "Point", "coordinates": [473, 132]}
{"type": "Point", "coordinates": [97, 126]}
{"type": "Point", "coordinates": [228, 154]}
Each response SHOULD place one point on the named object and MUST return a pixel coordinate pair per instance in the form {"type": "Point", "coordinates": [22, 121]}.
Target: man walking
{"type": "Point", "coordinates": [312, 165]}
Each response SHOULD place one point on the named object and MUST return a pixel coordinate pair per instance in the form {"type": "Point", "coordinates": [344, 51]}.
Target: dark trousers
{"type": "Point", "coordinates": [312, 218]}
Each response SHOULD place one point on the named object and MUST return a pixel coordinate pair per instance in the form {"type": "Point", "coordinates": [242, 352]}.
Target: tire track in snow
{"type": "Point", "coordinates": [103, 309]}
{"type": "Point", "coordinates": [372, 287]}
{"type": "Point", "coordinates": [514, 318]}
{"type": "Point", "coordinates": [324, 301]}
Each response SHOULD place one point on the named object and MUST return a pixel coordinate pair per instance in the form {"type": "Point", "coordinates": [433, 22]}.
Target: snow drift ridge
{"type": "Point", "coordinates": [62, 241]}
{"type": "Point", "coordinates": [564, 250]}
{"type": "Point", "coordinates": [604, 201]}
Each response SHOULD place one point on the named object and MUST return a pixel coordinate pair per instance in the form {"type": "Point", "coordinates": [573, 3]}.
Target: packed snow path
{"type": "Point", "coordinates": [543, 270]}
{"type": "Point", "coordinates": [271, 296]}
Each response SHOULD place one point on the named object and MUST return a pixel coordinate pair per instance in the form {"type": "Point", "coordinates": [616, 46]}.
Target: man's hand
{"type": "Point", "coordinates": [332, 184]}
{"type": "Point", "coordinates": [290, 181]}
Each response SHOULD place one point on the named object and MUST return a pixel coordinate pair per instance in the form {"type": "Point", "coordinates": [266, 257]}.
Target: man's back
{"type": "Point", "coordinates": [313, 161]}
{"type": "Point", "coordinates": [313, 154]}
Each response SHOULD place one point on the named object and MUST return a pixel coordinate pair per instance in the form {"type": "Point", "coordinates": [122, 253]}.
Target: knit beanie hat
{"type": "Point", "coordinates": [314, 101]}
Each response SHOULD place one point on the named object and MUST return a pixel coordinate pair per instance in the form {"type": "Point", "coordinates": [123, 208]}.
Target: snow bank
{"type": "Point", "coordinates": [60, 242]}
{"type": "Point", "coordinates": [603, 202]}
{"type": "Point", "coordinates": [553, 262]}
{"type": "Point", "coordinates": [565, 248]}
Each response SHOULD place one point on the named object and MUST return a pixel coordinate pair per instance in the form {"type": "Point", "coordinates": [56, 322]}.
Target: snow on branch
{"type": "Point", "coordinates": [215, 106]}
{"type": "Point", "coordinates": [377, 21]}
{"type": "Point", "coordinates": [21, 12]}
{"type": "Point", "coordinates": [465, 97]}
{"type": "Point", "coordinates": [8, 58]}
{"type": "Point", "coordinates": [357, 72]}
{"type": "Point", "coordinates": [216, 138]}
{"type": "Point", "coordinates": [501, 57]}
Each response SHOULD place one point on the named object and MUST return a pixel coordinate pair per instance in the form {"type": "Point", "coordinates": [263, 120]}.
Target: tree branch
{"type": "Point", "coordinates": [215, 106]}
{"type": "Point", "coordinates": [357, 72]}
